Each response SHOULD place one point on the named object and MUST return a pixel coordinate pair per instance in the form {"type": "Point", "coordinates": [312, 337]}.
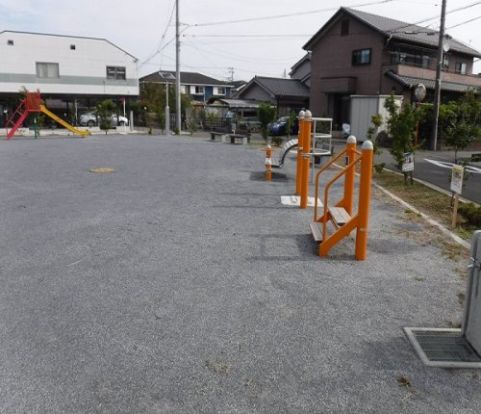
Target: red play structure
{"type": "Point", "coordinates": [33, 103]}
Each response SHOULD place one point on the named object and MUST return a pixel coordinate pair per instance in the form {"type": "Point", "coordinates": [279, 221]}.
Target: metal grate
{"type": "Point", "coordinates": [438, 347]}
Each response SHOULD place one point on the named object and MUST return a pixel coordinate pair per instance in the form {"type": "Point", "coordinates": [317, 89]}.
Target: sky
{"type": "Point", "coordinates": [212, 42]}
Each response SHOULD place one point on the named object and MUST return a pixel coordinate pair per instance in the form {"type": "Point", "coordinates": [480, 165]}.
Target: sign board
{"type": "Point", "coordinates": [408, 163]}
{"type": "Point", "coordinates": [457, 173]}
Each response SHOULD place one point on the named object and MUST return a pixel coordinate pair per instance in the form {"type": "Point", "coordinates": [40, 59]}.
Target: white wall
{"type": "Point", "coordinates": [82, 71]}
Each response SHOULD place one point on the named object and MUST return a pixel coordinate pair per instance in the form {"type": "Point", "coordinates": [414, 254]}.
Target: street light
{"type": "Point", "coordinates": [167, 76]}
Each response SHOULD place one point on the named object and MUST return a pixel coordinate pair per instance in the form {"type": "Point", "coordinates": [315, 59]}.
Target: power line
{"type": "Point", "coordinates": [248, 35]}
{"type": "Point", "coordinates": [154, 53]}
{"type": "Point", "coordinates": [282, 16]}
{"type": "Point", "coordinates": [465, 22]}
{"type": "Point", "coordinates": [395, 29]}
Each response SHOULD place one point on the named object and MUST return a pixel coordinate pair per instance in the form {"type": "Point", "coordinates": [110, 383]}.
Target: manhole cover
{"type": "Point", "coordinates": [446, 348]}
{"type": "Point", "coordinates": [102, 170]}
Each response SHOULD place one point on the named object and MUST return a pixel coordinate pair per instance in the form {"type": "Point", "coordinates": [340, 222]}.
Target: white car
{"type": "Point", "coordinates": [90, 119]}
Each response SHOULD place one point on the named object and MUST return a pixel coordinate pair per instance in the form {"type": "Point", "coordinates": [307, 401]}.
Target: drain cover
{"type": "Point", "coordinates": [446, 348]}
{"type": "Point", "coordinates": [102, 170]}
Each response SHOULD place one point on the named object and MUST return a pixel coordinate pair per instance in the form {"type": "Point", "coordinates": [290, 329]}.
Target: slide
{"type": "Point", "coordinates": [284, 151]}
{"type": "Point", "coordinates": [65, 124]}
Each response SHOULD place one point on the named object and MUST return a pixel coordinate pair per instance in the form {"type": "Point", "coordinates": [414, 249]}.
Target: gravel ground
{"type": "Point", "coordinates": [179, 284]}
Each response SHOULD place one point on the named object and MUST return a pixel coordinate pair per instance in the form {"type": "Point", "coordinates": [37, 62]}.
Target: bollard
{"type": "Point", "coordinates": [364, 200]}
{"type": "Point", "coordinates": [350, 174]}
{"type": "Point", "coordinates": [305, 159]}
{"type": "Point", "coordinates": [268, 163]}
{"type": "Point", "coordinates": [300, 139]}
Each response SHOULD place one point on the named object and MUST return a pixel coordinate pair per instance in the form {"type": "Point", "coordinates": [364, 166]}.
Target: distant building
{"type": "Point", "coordinates": [286, 94]}
{"type": "Point", "coordinates": [301, 70]}
{"type": "Point", "coordinates": [198, 86]}
{"type": "Point", "coordinates": [71, 72]}
{"type": "Point", "coordinates": [358, 53]}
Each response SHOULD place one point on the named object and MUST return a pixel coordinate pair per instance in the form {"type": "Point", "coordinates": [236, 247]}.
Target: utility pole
{"type": "Point", "coordinates": [231, 74]}
{"type": "Point", "coordinates": [177, 69]}
{"type": "Point", "coordinates": [167, 109]}
{"type": "Point", "coordinates": [437, 91]}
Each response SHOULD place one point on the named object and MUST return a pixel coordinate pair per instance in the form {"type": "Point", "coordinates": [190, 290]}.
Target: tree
{"type": "Point", "coordinates": [372, 135]}
{"type": "Point", "coordinates": [291, 121]}
{"type": "Point", "coordinates": [105, 110]}
{"type": "Point", "coordinates": [152, 97]}
{"type": "Point", "coordinates": [266, 113]}
{"type": "Point", "coordinates": [401, 125]}
{"type": "Point", "coordinates": [460, 122]}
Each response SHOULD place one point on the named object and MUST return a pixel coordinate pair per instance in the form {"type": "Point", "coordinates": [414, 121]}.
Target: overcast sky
{"type": "Point", "coordinates": [266, 47]}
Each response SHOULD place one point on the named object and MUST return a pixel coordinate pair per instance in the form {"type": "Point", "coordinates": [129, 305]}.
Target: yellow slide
{"type": "Point", "coordinates": [65, 124]}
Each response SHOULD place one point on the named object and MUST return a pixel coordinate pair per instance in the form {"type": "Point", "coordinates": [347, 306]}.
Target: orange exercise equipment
{"type": "Point", "coordinates": [341, 214]}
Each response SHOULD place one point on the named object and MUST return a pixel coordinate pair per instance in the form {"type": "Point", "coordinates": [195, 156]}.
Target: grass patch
{"type": "Point", "coordinates": [431, 202]}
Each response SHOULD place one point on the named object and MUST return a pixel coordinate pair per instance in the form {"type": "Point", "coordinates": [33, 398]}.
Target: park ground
{"type": "Point", "coordinates": [177, 282]}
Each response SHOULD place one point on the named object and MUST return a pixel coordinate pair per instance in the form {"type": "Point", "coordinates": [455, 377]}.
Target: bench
{"type": "Point", "coordinates": [476, 156]}
{"type": "Point", "coordinates": [214, 134]}
{"type": "Point", "coordinates": [245, 139]}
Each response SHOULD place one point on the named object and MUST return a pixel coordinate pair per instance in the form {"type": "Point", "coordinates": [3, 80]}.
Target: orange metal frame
{"type": "Point", "coordinates": [360, 220]}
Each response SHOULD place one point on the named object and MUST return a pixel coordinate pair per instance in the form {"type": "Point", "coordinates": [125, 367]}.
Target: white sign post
{"type": "Point", "coordinates": [457, 174]}
{"type": "Point", "coordinates": [408, 166]}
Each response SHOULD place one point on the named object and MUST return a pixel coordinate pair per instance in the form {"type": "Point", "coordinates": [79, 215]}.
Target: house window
{"type": "Point", "coordinates": [198, 90]}
{"type": "Point", "coordinates": [183, 89]}
{"type": "Point", "coordinates": [361, 57]}
{"type": "Point", "coordinates": [10, 42]}
{"type": "Point", "coordinates": [461, 68]}
{"type": "Point", "coordinates": [72, 47]}
{"type": "Point", "coordinates": [116, 72]}
{"type": "Point", "coordinates": [47, 70]}
{"type": "Point", "coordinates": [345, 27]}
{"type": "Point", "coordinates": [220, 91]}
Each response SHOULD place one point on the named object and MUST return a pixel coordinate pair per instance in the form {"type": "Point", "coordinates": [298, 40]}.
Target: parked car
{"type": "Point", "coordinates": [279, 127]}
{"type": "Point", "coordinates": [90, 119]}
{"type": "Point", "coordinates": [252, 124]}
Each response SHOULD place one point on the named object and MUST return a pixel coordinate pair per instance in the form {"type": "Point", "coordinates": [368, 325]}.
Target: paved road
{"type": "Point", "coordinates": [435, 168]}
{"type": "Point", "coordinates": [180, 284]}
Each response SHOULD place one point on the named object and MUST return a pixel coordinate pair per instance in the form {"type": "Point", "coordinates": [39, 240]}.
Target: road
{"type": "Point", "coordinates": [435, 168]}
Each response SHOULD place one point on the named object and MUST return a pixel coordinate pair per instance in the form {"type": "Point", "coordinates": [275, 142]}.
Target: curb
{"type": "Point", "coordinates": [431, 221]}
{"type": "Point", "coordinates": [434, 187]}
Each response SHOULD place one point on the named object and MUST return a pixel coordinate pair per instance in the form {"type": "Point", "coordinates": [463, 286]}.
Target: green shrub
{"type": "Point", "coordinates": [277, 141]}
{"type": "Point", "coordinates": [471, 213]}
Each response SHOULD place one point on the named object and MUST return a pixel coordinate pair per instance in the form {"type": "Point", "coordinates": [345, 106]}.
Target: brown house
{"type": "Point", "coordinates": [358, 53]}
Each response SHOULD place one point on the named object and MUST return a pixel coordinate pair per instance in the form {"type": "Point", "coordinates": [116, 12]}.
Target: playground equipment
{"type": "Point", "coordinates": [321, 141]}
{"type": "Point", "coordinates": [268, 162]}
{"type": "Point", "coordinates": [31, 104]}
{"type": "Point", "coordinates": [455, 348]}
{"type": "Point", "coordinates": [341, 214]}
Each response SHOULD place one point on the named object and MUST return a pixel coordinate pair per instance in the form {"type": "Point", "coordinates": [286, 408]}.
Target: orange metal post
{"type": "Point", "coordinates": [268, 163]}
{"type": "Point", "coordinates": [350, 174]}
{"type": "Point", "coordinates": [305, 159]}
{"type": "Point", "coordinates": [364, 200]}
{"type": "Point", "coordinates": [300, 140]}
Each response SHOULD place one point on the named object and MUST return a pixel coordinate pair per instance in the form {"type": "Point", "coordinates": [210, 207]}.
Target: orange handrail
{"type": "Point", "coordinates": [321, 170]}
{"type": "Point", "coordinates": [328, 186]}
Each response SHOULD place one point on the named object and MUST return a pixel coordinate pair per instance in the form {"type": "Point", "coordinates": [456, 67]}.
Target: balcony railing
{"type": "Point", "coordinates": [428, 73]}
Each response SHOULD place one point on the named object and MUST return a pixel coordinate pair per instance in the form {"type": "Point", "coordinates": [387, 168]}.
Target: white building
{"type": "Point", "coordinates": [70, 69]}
